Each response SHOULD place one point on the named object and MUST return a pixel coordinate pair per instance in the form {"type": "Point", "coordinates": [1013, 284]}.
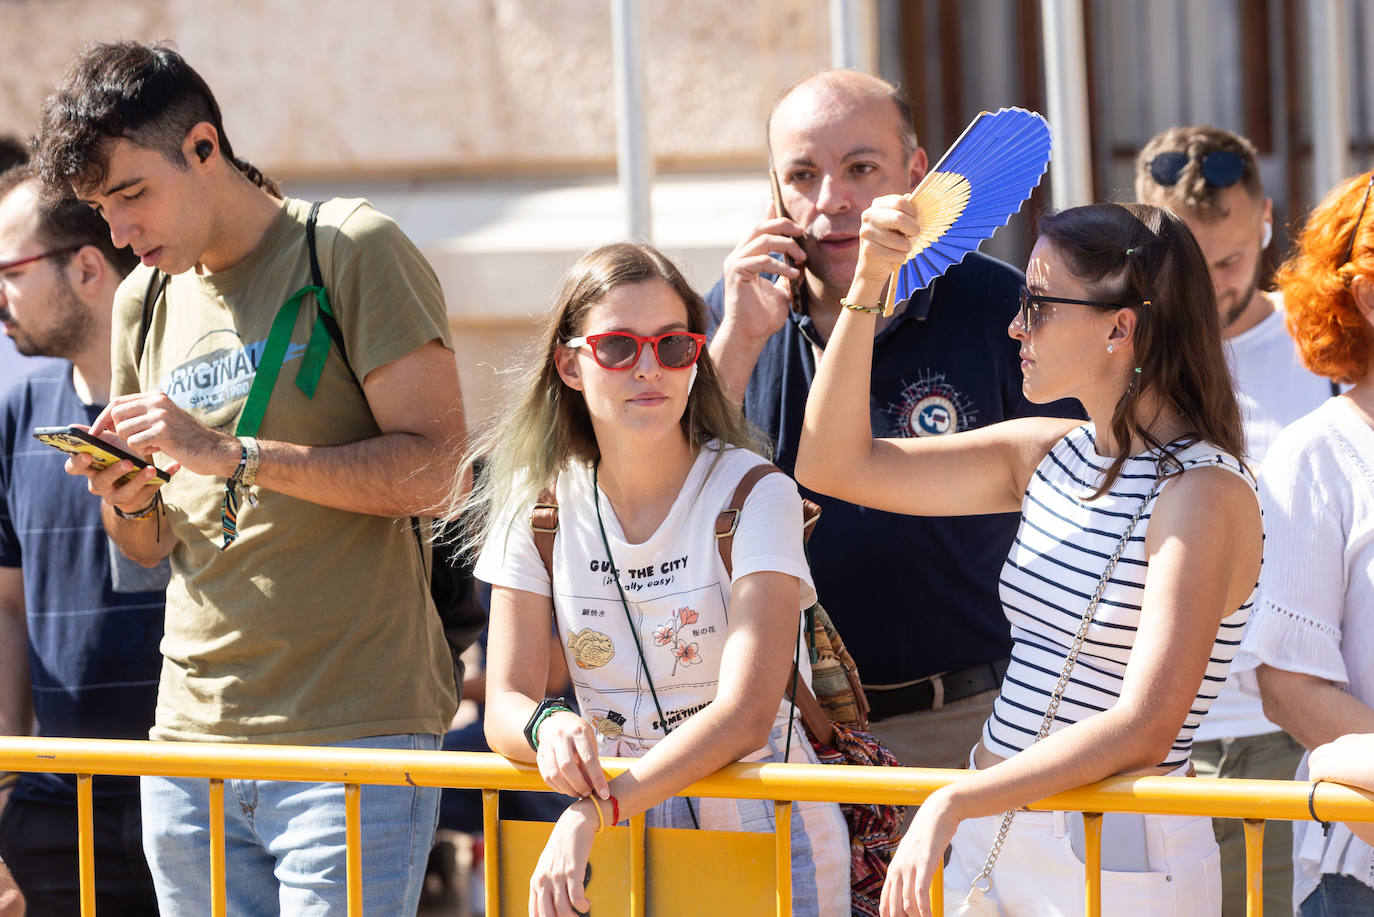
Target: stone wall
{"type": "Point", "coordinates": [473, 115]}
{"type": "Point", "coordinates": [310, 87]}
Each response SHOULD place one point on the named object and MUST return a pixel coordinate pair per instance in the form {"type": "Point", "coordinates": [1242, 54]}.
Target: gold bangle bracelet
{"type": "Point", "coordinates": [852, 307]}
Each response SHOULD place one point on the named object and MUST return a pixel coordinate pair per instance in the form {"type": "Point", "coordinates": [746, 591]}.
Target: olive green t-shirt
{"type": "Point", "coordinates": [316, 625]}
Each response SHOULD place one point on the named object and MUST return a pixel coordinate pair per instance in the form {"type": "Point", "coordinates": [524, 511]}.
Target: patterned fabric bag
{"type": "Point", "coordinates": [835, 715]}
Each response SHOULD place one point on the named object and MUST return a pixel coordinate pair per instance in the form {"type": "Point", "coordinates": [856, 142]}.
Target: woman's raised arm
{"type": "Point", "coordinates": [978, 471]}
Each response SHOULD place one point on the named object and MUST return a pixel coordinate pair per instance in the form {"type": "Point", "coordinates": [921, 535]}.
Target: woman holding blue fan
{"type": "Point", "coordinates": [1129, 580]}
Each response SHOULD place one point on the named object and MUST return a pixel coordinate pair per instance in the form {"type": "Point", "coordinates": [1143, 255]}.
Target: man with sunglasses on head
{"type": "Point", "coordinates": [299, 610]}
{"type": "Point", "coordinates": [914, 598]}
{"type": "Point", "coordinates": [1210, 177]}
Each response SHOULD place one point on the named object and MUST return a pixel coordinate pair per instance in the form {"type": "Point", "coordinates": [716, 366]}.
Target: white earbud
{"type": "Point", "coordinates": [1267, 235]}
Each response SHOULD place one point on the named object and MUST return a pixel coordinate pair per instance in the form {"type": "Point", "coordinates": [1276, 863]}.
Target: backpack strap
{"type": "Point", "coordinates": [728, 520]}
{"type": "Point", "coordinates": [156, 284]}
{"type": "Point", "coordinates": [818, 725]}
{"type": "Point", "coordinates": [544, 525]}
{"type": "Point", "coordinates": [331, 324]}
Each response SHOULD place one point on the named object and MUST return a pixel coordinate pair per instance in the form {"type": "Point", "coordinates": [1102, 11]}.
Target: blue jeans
{"type": "Point", "coordinates": [285, 843]}
{"type": "Point", "coordinates": [1338, 896]}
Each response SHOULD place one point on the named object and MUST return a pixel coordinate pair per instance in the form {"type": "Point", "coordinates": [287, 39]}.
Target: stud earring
{"type": "Point", "coordinates": [1111, 348]}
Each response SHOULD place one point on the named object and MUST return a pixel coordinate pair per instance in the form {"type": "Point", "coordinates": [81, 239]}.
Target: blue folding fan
{"type": "Point", "coordinates": [973, 190]}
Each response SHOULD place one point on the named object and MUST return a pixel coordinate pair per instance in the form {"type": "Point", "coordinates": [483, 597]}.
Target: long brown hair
{"type": "Point", "coordinates": [548, 427]}
{"type": "Point", "coordinates": [1131, 254]}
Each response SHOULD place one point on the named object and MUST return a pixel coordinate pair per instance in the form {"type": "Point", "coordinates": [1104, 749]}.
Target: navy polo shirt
{"type": "Point", "coordinates": [912, 596]}
{"type": "Point", "coordinates": [94, 616]}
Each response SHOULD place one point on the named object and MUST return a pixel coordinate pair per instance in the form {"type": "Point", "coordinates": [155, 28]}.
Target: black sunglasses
{"type": "Point", "coordinates": [1031, 302]}
{"type": "Point", "coordinates": [1359, 218]}
{"type": "Point", "coordinates": [1221, 168]}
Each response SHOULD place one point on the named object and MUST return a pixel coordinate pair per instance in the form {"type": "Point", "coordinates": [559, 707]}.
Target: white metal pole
{"type": "Point", "coordinates": [634, 165]}
{"type": "Point", "coordinates": [844, 38]}
{"type": "Point", "coordinates": [1328, 79]}
{"type": "Point", "coordinates": [1066, 79]}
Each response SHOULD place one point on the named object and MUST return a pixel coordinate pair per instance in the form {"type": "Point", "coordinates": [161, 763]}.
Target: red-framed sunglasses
{"type": "Point", "coordinates": [621, 349]}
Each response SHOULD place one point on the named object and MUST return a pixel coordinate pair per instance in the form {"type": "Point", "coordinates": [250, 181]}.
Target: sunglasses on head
{"type": "Point", "coordinates": [1031, 303]}
{"type": "Point", "coordinates": [1221, 168]}
{"type": "Point", "coordinates": [621, 349]}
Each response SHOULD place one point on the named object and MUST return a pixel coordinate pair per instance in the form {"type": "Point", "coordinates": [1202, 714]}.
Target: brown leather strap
{"type": "Point", "coordinates": [817, 724]}
{"type": "Point", "coordinates": [728, 520]}
{"type": "Point", "coordinates": [544, 524]}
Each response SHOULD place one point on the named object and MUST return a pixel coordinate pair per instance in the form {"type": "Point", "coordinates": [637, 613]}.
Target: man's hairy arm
{"type": "Point", "coordinates": [415, 401]}
{"type": "Point", "coordinates": [408, 469]}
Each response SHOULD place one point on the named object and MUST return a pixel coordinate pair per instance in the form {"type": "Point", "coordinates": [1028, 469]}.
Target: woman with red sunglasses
{"type": "Point", "coordinates": [622, 422]}
{"type": "Point", "coordinates": [1129, 580]}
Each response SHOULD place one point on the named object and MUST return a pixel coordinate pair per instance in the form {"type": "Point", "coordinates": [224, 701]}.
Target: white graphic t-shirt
{"type": "Point", "coordinates": [675, 585]}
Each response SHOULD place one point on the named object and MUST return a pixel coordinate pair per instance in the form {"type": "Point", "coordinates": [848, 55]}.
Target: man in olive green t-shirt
{"type": "Point", "coordinates": [299, 609]}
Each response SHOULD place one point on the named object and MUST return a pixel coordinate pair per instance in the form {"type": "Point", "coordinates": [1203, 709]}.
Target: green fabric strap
{"type": "Point", "coordinates": [274, 354]}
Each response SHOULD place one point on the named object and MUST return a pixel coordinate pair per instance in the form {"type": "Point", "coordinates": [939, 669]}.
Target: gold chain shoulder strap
{"type": "Point", "coordinates": [1053, 709]}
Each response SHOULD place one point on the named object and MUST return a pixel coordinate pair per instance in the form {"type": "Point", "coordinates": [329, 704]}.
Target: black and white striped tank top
{"type": "Point", "coordinates": [1061, 548]}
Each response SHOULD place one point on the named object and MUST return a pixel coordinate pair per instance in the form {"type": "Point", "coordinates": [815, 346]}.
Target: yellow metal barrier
{"type": "Point", "coordinates": [1252, 800]}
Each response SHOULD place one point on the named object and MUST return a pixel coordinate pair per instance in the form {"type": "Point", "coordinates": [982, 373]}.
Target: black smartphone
{"type": "Point", "coordinates": [793, 286]}
{"type": "Point", "coordinates": [75, 440]}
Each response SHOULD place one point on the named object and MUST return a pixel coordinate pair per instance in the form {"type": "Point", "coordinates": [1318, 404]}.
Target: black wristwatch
{"type": "Point", "coordinates": [547, 707]}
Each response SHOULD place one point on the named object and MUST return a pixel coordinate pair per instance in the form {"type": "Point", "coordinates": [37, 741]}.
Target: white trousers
{"type": "Point", "coordinates": [1039, 875]}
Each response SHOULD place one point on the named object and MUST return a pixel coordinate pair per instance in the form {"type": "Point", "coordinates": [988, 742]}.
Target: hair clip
{"type": "Point", "coordinates": [1129, 252]}
{"type": "Point", "coordinates": [1144, 303]}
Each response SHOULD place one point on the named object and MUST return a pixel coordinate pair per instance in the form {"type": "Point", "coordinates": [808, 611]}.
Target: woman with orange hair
{"type": "Point", "coordinates": [1311, 634]}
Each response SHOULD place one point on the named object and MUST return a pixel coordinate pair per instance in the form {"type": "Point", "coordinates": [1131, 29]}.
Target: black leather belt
{"type": "Point", "coordinates": [936, 691]}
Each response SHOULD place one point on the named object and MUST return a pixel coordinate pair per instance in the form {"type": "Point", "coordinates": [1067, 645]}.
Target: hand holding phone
{"type": "Point", "coordinates": [74, 440]}
{"type": "Point", "coordinates": [793, 286]}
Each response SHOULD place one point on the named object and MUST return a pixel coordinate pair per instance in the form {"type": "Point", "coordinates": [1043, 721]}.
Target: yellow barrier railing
{"type": "Point", "coordinates": [1252, 800]}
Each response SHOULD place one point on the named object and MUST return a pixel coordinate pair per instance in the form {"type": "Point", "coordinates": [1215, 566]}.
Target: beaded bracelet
{"type": "Point", "coordinates": [852, 307]}
{"type": "Point", "coordinates": [143, 513]}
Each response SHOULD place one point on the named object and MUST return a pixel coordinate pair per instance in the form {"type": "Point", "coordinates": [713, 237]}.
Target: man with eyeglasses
{"type": "Point", "coordinates": [13, 364]}
{"type": "Point", "coordinates": [915, 598]}
{"type": "Point", "coordinates": [79, 622]}
{"type": "Point", "coordinates": [1210, 177]}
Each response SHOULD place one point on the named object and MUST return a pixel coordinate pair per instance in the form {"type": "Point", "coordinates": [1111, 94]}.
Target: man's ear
{"type": "Point", "coordinates": [916, 167]}
{"type": "Point", "coordinates": [201, 145]}
{"type": "Point", "coordinates": [565, 361]}
{"type": "Point", "coordinates": [89, 268]}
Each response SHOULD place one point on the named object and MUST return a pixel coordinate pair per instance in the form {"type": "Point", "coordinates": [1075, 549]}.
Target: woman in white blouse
{"type": "Point", "coordinates": [1311, 637]}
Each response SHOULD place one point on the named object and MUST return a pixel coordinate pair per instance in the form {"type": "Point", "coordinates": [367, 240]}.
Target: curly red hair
{"type": "Point", "coordinates": [1333, 336]}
